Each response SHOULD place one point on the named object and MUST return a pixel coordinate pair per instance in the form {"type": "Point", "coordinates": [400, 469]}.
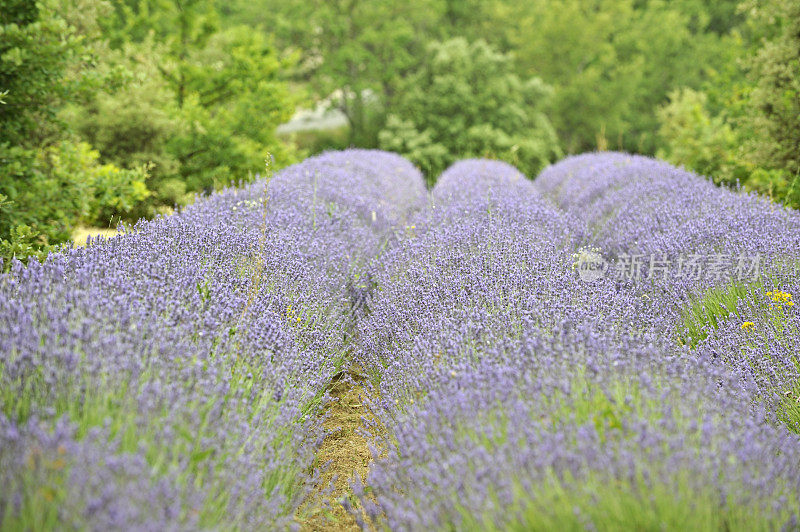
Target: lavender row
{"type": "Point", "coordinates": [508, 385]}
{"type": "Point", "coordinates": [163, 379]}
{"type": "Point", "coordinates": [635, 204]}
{"type": "Point", "coordinates": [735, 299]}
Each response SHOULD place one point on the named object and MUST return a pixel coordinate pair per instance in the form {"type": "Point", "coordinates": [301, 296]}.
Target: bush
{"type": "Point", "coordinates": [465, 101]}
{"type": "Point", "coordinates": [694, 138]}
{"type": "Point", "coordinates": [775, 71]}
{"type": "Point", "coordinates": [22, 244]}
{"type": "Point", "coordinates": [55, 188]}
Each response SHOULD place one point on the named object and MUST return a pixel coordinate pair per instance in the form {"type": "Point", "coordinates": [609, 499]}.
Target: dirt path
{"type": "Point", "coordinates": [347, 451]}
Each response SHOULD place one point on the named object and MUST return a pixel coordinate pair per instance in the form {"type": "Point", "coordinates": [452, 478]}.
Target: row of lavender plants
{"type": "Point", "coordinates": [167, 378]}
{"type": "Point", "coordinates": [727, 261]}
{"type": "Point", "coordinates": [511, 394]}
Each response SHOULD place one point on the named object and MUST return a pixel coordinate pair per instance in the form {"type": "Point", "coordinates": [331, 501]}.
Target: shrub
{"type": "Point", "coordinates": [466, 101]}
{"type": "Point", "coordinates": [53, 189]}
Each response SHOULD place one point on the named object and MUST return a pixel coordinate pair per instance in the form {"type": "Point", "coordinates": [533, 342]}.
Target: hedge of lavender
{"type": "Point", "coordinates": [512, 394]}
{"type": "Point", "coordinates": [739, 254]}
{"type": "Point", "coordinates": [173, 377]}
{"type": "Point", "coordinates": [165, 379]}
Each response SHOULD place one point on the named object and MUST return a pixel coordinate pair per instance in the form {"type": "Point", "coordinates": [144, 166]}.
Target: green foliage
{"type": "Point", "coordinates": [233, 80]}
{"type": "Point", "coordinates": [611, 504]}
{"type": "Point", "coordinates": [705, 313]}
{"type": "Point", "coordinates": [35, 51]}
{"type": "Point", "coordinates": [775, 72]}
{"type": "Point", "coordinates": [612, 62]}
{"type": "Point", "coordinates": [178, 106]}
{"type": "Point", "coordinates": [466, 101]}
{"type": "Point", "coordinates": [402, 136]}
{"type": "Point", "coordinates": [744, 127]}
{"type": "Point", "coordinates": [131, 124]}
{"type": "Point", "coordinates": [53, 181]}
{"type": "Point", "coordinates": [356, 51]}
{"type": "Point", "coordinates": [704, 143]}
{"type": "Point", "coordinates": [789, 410]}
{"type": "Point", "coordinates": [55, 188]}
{"type": "Point", "coordinates": [193, 90]}
{"type": "Point", "coordinates": [317, 141]}
{"type": "Point", "coordinates": [23, 244]}
{"type": "Point", "coordinates": [201, 103]}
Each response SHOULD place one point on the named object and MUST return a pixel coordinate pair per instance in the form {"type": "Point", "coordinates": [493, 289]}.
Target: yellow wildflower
{"type": "Point", "coordinates": [781, 297]}
{"type": "Point", "coordinates": [748, 325]}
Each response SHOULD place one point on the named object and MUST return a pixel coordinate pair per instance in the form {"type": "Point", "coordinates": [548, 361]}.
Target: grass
{"type": "Point", "coordinates": [756, 308]}
{"type": "Point", "coordinates": [343, 453]}
{"type": "Point", "coordinates": [706, 313]}
{"type": "Point", "coordinates": [789, 410]}
{"type": "Point", "coordinates": [81, 233]}
{"type": "Point", "coordinates": [610, 505]}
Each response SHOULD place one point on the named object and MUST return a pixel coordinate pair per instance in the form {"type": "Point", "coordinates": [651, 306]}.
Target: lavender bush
{"type": "Point", "coordinates": [643, 207]}
{"type": "Point", "coordinates": [163, 379]}
{"type": "Point", "coordinates": [172, 377]}
{"type": "Point", "coordinates": [509, 388]}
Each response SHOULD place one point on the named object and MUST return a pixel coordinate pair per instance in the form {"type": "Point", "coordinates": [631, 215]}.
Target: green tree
{"type": "Point", "coordinates": [355, 52]}
{"type": "Point", "coordinates": [466, 101]}
{"type": "Point", "coordinates": [35, 52]}
{"type": "Point", "coordinates": [201, 105]}
{"type": "Point", "coordinates": [50, 180]}
{"type": "Point", "coordinates": [54, 188]}
{"type": "Point", "coordinates": [612, 62]}
{"type": "Point", "coordinates": [744, 126]}
{"type": "Point", "coordinates": [366, 47]}
{"type": "Point", "coordinates": [693, 137]}
{"type": "Point", "coordinates": [133, 122]}
{"type": "Point", "coordinates": [775, 72]}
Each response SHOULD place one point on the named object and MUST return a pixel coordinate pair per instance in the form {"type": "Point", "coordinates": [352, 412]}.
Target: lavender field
{"type": "Point", "coordinates": [611, 345]}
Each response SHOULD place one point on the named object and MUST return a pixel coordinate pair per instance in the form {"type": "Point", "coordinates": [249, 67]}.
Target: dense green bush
{"type": "Point", "coordinates": [466, 101]}
{"type": "Point", "coordinates": [775, 72]}
{"type": "Point", "coordinates": [53, 189]}
{"type": "Point", "coordinates": [703, 142]}
{"type": "Point", "coordinates": [200, 102]}
{"type": "Point", "coordinates": [122, 109]}
{"type": "Point", "coordinates": [743, 126]}
{"type": "Point", "coordinates": [35, 51]}
{"type": "Point", "coordinates": [613, 62]}
{"type": "Point", "coordinates": [49, 179]}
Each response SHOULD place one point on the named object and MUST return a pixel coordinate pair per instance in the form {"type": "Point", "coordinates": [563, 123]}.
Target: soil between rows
{"type": "Point", "coordinates": [347, 452]}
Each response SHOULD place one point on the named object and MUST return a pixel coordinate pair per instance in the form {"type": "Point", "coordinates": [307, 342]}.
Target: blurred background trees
{"type": "Point", "coordinates": [117, 109]}
{"type": "Point", "coordinates": [465, 100]}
